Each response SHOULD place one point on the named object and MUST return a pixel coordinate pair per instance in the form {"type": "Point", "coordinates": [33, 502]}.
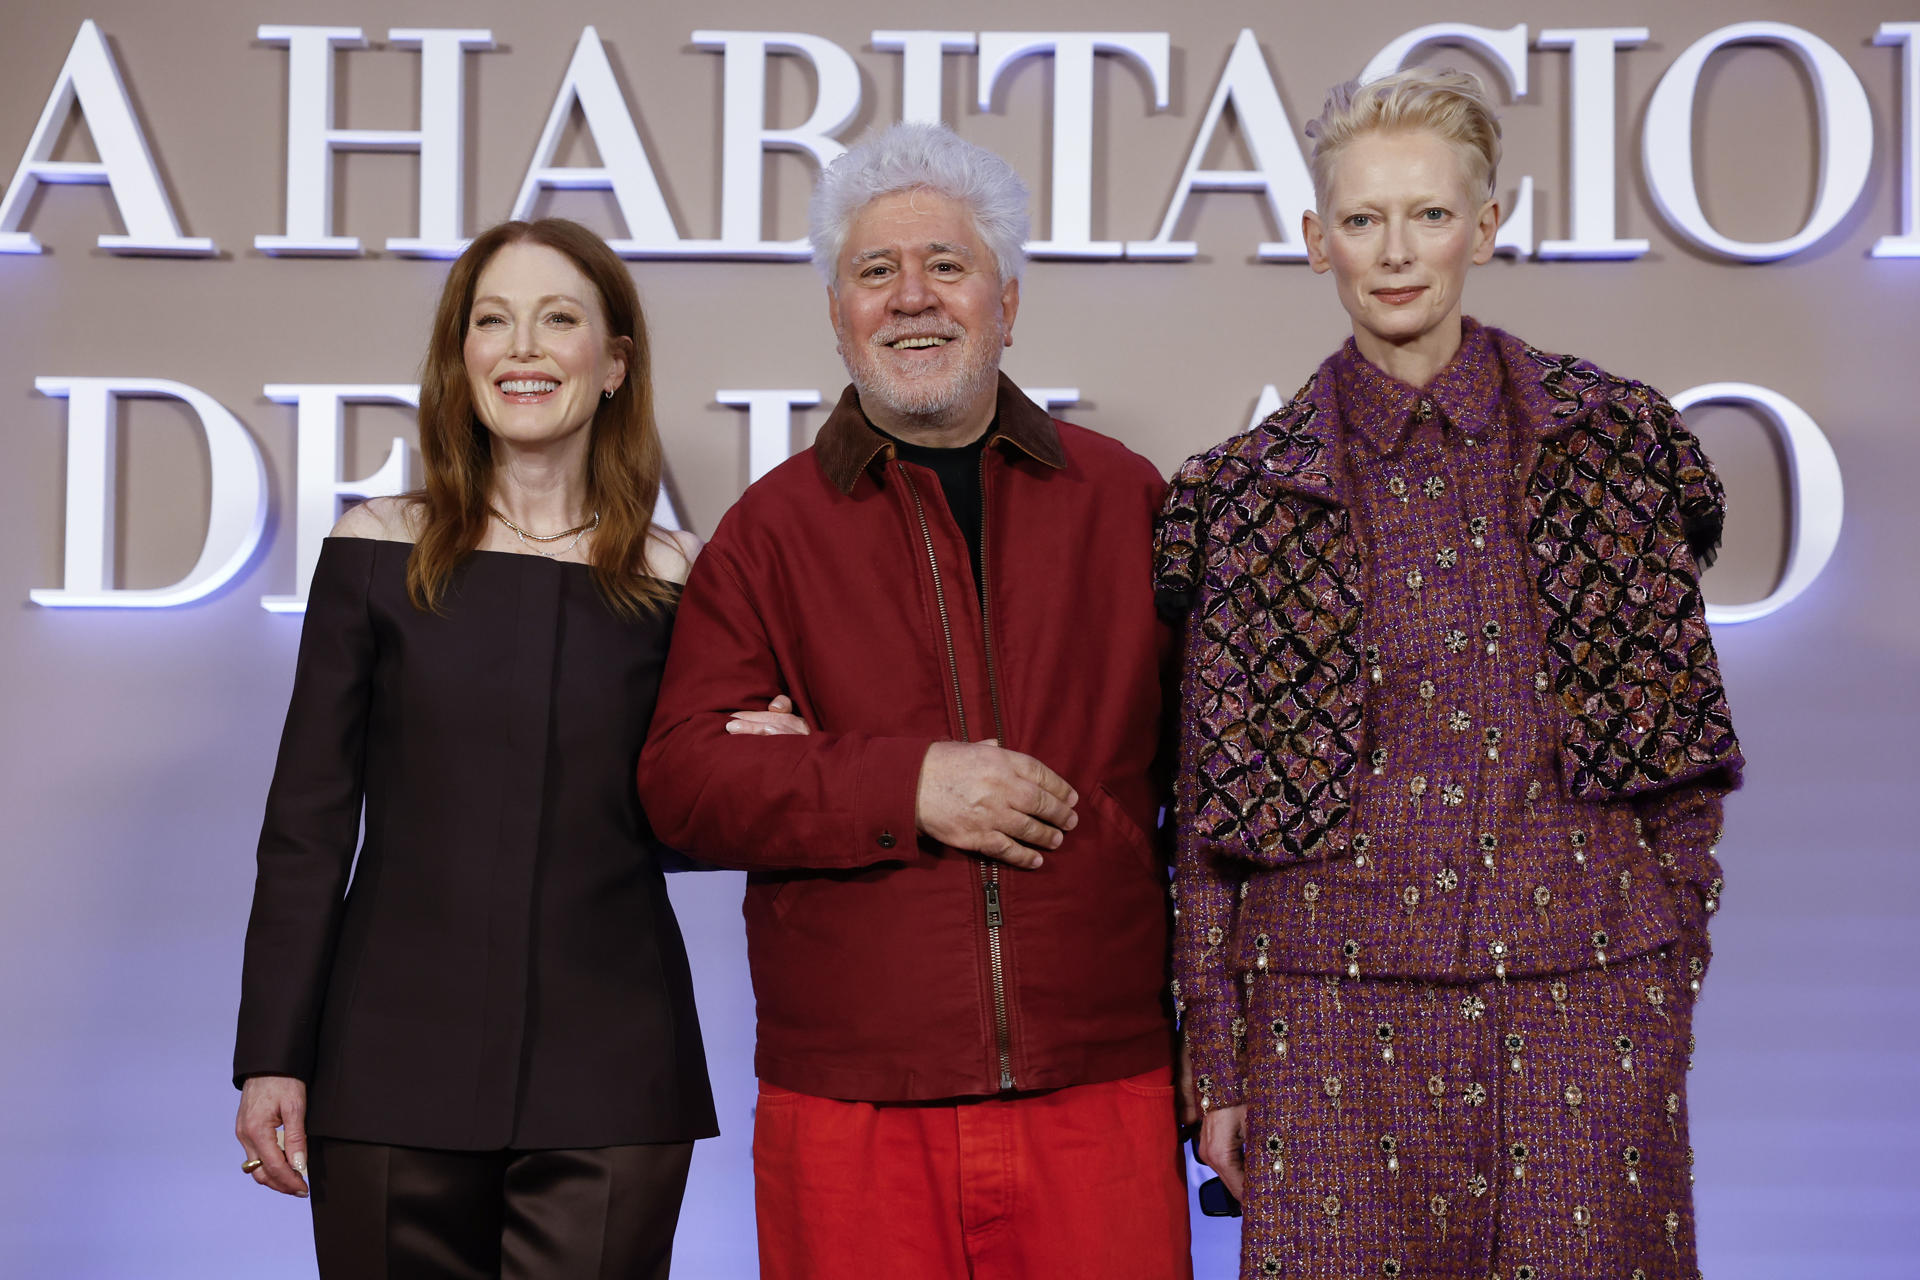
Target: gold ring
{"type": "Point", "coordinates": [251, 1165]}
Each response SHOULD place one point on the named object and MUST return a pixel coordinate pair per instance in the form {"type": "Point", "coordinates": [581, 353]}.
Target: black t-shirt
{"type": "Point", "coordinates": [959, 472]}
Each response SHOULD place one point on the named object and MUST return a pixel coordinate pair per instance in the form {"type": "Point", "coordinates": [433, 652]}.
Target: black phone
{"type": "Point", "coordinates": [1216, 1201]}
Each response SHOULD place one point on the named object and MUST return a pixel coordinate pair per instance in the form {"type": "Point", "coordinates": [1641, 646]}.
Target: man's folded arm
{"type": "Point", "coordinates": [817, 800]}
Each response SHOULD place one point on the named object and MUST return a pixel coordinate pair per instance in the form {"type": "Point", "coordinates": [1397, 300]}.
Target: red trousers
{"type": "Point", "coordinates": [1086, 1181]}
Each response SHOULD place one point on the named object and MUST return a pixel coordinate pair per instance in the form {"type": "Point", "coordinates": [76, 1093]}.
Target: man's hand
{"type": "Point", "coordinates": [982, 798]}
{"type": "Point", "coordinates": [1223, 1139]}
{"type": "Point", "coordinates": [777, 718]}
{"type": "Point", "coordinates": [268, 1103]}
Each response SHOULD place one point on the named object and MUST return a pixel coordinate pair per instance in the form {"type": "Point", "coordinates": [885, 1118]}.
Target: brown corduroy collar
{"type": "Point", "coordinates": [848, 444]}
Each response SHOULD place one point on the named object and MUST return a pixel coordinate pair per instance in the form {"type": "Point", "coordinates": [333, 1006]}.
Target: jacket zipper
{"type": "Point", "coordinates": [939, 599]}
{"type": "Point", "coordinates": [989, 870]}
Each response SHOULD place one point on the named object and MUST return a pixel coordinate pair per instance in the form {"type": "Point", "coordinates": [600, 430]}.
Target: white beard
{"type": "Point", "coordinates": [931, 402]}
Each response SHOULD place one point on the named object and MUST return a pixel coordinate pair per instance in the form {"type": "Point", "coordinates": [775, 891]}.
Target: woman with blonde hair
{"type": "Point", "coordinates": [481, 1051]}
{"type": "Point", "coordinates": [1454, 743]}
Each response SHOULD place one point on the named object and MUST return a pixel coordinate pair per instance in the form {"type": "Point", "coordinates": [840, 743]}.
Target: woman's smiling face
{"type": "Point", "coordinates": [538, 352]}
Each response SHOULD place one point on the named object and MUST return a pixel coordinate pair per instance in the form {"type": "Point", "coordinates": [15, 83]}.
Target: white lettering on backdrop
{"type": "Point", "coordinates": [1071, 191]}
{"type": "Point", "coordinates": [1846, 139]}
{"type": "Point", "coordinates": [1591, 170]}
{"type": "Point", "coordinates": [90, 79]}
{"type": "Point", "coordinates": [236, 507]}
{"type": "Point", "coordinates": [89, 83]}
{"type": "Point", "coordinates": [312, 139]}
{"type": "Point", "coordinates": [1816, 501]}
{"type": "Point", "coordinates": [1906, 37]}
{"type": "Point", "coordinates": [239, 497]}
{"type": "Point", "coordinates": [319, 450]}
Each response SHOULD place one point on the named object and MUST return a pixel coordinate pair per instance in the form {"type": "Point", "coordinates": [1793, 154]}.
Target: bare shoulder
{"type": "Point", "coordinates": [670, 553]}
{"type": "Point", "coordinates": [381, 519]}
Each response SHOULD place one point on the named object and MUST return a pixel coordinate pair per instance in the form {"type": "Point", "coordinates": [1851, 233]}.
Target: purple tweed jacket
{"type": "Point", "coordinates": [1259, 548]}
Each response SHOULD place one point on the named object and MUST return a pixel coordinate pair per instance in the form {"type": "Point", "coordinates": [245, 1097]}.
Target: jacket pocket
{"type": "Point", "coordinates": [1119, 826]}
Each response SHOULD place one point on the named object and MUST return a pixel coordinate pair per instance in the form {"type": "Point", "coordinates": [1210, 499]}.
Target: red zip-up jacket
{"type": "Point", "coordinates": [886, 966]}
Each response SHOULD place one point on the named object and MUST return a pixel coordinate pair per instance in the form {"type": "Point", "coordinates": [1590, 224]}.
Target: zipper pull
{"type": "Point", "coordinates": [993, 904]}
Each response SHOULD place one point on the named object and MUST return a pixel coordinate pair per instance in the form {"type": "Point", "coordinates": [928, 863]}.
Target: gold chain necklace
{"type": "Point", "coordinates": [527, 540]}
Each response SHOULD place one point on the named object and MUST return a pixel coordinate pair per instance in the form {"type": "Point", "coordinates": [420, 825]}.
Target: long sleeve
{"type": "Point", "coordinates": [1206, 902]}
{"type": "Point", "coordinates": [1681, 825]}
{"type": "Point", "coordinates": [312, 822]}
{"type": "Point", "coordinates": [819, 801]}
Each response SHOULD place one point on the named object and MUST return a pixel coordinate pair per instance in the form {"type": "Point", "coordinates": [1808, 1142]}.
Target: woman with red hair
{"type": "Point", "coordinates": [481, 1050]}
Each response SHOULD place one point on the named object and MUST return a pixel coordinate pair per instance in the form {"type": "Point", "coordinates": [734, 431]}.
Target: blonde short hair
{"type": "Point", "coordinates": [1452, 104]}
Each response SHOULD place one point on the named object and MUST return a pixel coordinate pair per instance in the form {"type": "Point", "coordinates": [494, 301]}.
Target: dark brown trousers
{"type": "Point", "coordinates": [411, 1213]}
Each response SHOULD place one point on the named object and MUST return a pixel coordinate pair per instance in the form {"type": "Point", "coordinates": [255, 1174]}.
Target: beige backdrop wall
{"type": "Point", "coordinates": [137, 743]}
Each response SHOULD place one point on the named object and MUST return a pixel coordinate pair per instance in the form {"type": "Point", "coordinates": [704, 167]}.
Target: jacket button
{"type": "Point", "coordinates": [886, 840]}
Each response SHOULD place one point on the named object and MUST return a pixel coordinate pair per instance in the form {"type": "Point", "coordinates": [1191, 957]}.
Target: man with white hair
{"type": "Point", "coordinates": [956, 908]}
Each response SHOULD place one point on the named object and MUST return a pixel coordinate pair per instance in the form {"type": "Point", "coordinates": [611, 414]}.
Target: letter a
{"type": "Point", "coordinates": [90, 78]}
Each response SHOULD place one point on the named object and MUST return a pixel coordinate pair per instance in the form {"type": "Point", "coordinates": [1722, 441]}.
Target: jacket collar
{"type": "Point", "coordinates": [1381, 412]}
{"type": "Point", "coordinates": [1551, 394]}
{"type": "Point", "coordinates": [1298, 446]}
{"type": "Point", "coordinates": [848, 444]}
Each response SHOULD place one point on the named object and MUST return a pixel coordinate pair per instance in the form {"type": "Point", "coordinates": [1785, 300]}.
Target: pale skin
{"type": "Point", "coordinates": [535, 319]}
{"type": "Point", "coordinates": [1401, 225]}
